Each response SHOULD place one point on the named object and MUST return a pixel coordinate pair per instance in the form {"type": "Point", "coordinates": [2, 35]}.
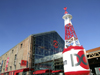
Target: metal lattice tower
{"type": "Point", "coordinates": [70, 35]}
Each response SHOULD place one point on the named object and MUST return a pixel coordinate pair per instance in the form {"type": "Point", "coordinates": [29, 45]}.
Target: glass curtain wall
{"type": "Point", "coordinates": [45, 46]}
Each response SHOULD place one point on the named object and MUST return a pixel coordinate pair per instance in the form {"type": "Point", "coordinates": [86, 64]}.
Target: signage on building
{"type": "Point", "coordinates": [99, 69]}
{"type": "Point", "coordinates": [7, 64]}
{"type": "Point", "coordinates": [0, 67]}
{"type": "Point", "coordinates": [2, 63]}
{"type": "Point", "coordinates": [55, 43]}
{"type": "Point", "coordinates": [23, 62]}
{"type": "Point", "coordinates": [44, 66]}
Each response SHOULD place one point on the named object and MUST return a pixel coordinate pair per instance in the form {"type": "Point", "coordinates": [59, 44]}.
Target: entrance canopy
{"type": "Point", "coordinates": [14, 72]}
{"type": "Point", "coordinates": [42, 71]}
{"type": "Point", "coordinates": [46, 71]}
{"type": "Point", "coordinates": [57, 71]}
{"type": "Point", "coordinates": [22, 70]}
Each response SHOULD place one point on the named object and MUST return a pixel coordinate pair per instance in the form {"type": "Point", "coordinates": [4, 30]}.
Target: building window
{"type": "Point", "coordinates": [15, 67]}
{"type": "Point", "coordinates": [4, 70]}
{"type": "Point", "coordinates": [15, 59]}
{"type": "Point", "coordinates": [15, 56]}
{"type": "Point", "coordinates": [21, 45]}
{"type": "Point", "coordinates": [4, 63]}
{"type": "Point", "coordinates": [7, 68]}
{"type": "Point", "coordinates": [12, 51]}
{"type": "Point", "coordinates": [10, 67]}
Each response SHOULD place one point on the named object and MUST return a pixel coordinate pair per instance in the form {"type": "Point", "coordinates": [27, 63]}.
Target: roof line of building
{"type": "Point", "coordinates": [33, 35]}
{"type": "Point", "coordinates": [16, 45]}
{"type": "Point", "coordinates": [93, 50]}
{"type": "Point", "coordinates": [43, 33]}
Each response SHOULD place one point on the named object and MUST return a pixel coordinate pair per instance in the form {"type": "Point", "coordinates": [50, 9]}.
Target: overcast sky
{"type": "Point", "coordinates": [21, 18]}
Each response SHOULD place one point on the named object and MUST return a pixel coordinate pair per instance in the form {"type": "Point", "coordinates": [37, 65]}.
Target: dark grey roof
{"type": "Point", "coordinates": [44, 33]}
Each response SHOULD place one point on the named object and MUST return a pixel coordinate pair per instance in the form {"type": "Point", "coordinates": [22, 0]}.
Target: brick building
{"type": "Point", "coordinates": [36, 52]}
{"type": "Point", "coordinates": [20, 52]}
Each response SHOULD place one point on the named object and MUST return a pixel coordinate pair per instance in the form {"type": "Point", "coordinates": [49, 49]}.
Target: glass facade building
{"type": "Point", "coordinates": [47, 48]}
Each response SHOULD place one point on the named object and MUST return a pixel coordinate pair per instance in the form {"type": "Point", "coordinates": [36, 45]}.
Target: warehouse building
{"type": "Point", "coordinates": [36, 54]}
{"type": "Point", "coordinates": [93, 56]}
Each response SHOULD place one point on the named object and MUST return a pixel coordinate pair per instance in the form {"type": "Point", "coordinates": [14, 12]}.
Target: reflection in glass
{"type": "Point", "coordinates": [44, 48]}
